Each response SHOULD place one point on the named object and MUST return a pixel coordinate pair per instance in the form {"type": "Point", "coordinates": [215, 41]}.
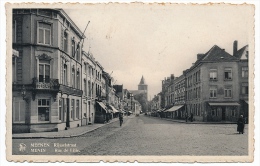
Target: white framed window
{"type": "Point", "coordinates": [228, 74]}
{"type": "Point", "coordinates": [228, 92]}
{"type": "Point", "coordinates": [213, 91]}
{"type": "Point", "coordinates": [44, 33]}
{"type": "Point", "coordinates": [44, 72]}
{"type": "Point", "coordinates": [19, 111]}
{"type": "Point", "coordinates": [244, 72]}
{"type": "Point", "coordinates": [43, 110]}
{"type": "Point", "coordinates": [213, 75]}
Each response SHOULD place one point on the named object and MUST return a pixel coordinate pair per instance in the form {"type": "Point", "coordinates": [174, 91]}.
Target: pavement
{"type": "Point", "coordinates": [193, 122]}
{"type": "Point", "coordinates": [72, 132]}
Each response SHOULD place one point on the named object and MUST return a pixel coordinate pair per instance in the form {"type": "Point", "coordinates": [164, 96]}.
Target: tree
{"type": "Point", "coordinates": [142, 99]}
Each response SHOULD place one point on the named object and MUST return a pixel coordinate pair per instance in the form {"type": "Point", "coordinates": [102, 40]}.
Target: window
{"type": "Point", "coordinates": [61, 109]}
{"type": "Point", "coordinates": [43, 109]}
{"type": "Point", "coordinates": [14, 31]}
{"type": "Point", "coordinates": [78, 52]}
{"type": "Point", "coordinates": [199, 92]}
{"type": "Point", "coordinates": [89, 89]}
{"type": "Point", "coordinates": [228, 92]}
{"type": "Point", "coordinates": [65, 41]}
{"type": "Point", "coordinates": [72, 109]}
{"type": "Point", "coordinates": [73, 78]}
{"type": "Point", "coordinates": [44, 72]}
{"type": "Point", "coordinates": [92, 89]}
{"type": "Point", "coordinates": [228, 74]}
{"type": "Point", "coordinates": [19, 111]}
{"type": "Point", "coordinates": [213, 92]}
{"type": "Point", "coordinates": [85, 87]}
{"type": "Point", "coordinates": [85, 68]}
{"type": "Point", "coordinates": [78, 80]}
{"type": "Point", "coordinates": [89, 71]}
{"type": "Point", "coordinates": [44, 33]}
{"type": "Point", "coordinates": [213, 74]}
{"type": "Point", "coordinates": [77, 109]}
{"type": "Point", "coordinates": [73, 48]}
{"type": "Point", "coordinates": [244, 72]}
{"type": "Point", "coordinates": [245, 88]}
{"type": "Point", "coordinates": [65, 74]}
{"type": "Point", "coordinates": [232, 112]}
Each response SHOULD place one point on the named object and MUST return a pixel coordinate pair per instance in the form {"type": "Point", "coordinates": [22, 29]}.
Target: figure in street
{"type": "Point", "coordinates": [191, 117]}
{"type": "Point", "coordinates": [240, 124]}
{"type": "Point", "coordinates": [186, 116]}
{"type": "Point", "coordinates": [121, 119]}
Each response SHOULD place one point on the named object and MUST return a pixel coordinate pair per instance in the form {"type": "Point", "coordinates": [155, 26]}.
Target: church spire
{"type": "Point", "coordinates": [142, 82]}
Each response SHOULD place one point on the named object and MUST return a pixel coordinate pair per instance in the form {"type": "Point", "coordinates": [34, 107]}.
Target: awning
{"type": "Point", "coordinates": [113, 109]}
{"type": "Point", "coordinates": [224, 104]}
{"type": "Point", "coordinates": [102, 105]}
{"type": "Point", "coordinates": [174, 108]}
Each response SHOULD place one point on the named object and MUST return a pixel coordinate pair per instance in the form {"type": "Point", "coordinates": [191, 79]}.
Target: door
{"type": "Point", "coordinates": [223, 113]}
{"type": "Point", "coordinates": [68, 113]}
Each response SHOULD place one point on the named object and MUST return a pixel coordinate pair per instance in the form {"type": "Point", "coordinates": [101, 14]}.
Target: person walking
{"type": "Point", "coordinates": [240, 124]}
{"type": "Point", "coordinates": [186, 116]}
{"type": "Point", "coordinates": [191, 117]}
{"type": "Point", "coordinates": [121, 119]}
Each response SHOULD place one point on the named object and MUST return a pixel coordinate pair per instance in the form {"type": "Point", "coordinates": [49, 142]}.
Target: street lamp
{"type": "Point", "coordinates": [23, 92]}
{"type": "Point", "coordinates": [131, 96]}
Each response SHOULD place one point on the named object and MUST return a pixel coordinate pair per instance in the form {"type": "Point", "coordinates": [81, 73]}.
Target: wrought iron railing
{"type": "Point", "coordinates": [52, 84]}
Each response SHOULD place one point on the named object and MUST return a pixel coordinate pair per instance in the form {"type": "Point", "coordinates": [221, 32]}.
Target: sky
{"type": "Point", "coordinates": [158, 40]}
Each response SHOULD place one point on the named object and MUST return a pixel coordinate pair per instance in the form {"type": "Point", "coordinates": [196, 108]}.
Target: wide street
{"type": "Point", "coordinates": [145, 135]}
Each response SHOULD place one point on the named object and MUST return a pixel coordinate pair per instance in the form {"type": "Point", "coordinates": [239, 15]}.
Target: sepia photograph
{"type": "Point", "coordinates": [158, 82]}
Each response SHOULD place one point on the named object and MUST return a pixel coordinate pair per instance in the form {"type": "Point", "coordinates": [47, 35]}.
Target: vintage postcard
{"type": "Point", "coordinates": [118, 82]}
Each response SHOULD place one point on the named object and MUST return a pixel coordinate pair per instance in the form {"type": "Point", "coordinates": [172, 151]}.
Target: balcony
{"type": "Point", "coordinates": [50, 84]}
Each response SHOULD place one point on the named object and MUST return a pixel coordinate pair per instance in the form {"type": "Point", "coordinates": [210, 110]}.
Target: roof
{"type": "Point", "coordinates": [136, 92]}
{"type": "Point", "coordinates": [240, 52]}
{"type": "Point", "coordinates": [142, 82]}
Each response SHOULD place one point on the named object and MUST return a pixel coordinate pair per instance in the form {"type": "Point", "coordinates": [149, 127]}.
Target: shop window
{"type": "Point", "coordinates": [60, 109]}
{"type": "Point", "coordinates": [44, 33]}
{"type": "Point", "coordinates": [213, 92]}
{"type": "Point", "coordinates": [213, 74]}
{"type": "Point", "coordinates": [228, 92]}
{"type": "Point", "coordinates": [43, 110]}
{"type": "Point", "coordinates": [228, 74]}
{"type": "Point", "coordinates": [19, 111]}
{"type": "Point", "coordinates": [72, 114]}
{"type": "Point", "coordinates": [244, 72]}
{"type": "Point", "coordinates": [44, 72]}
{"type": "Point", "coordinates": [77, 109]}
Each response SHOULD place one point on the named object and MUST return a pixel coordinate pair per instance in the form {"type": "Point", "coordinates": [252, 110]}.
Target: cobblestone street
{"type": "Point", "coordinates": [147, 136]}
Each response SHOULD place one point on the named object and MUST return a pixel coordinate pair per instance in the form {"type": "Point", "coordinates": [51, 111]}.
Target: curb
{"type": "Point", "coordinates": [54, 137]}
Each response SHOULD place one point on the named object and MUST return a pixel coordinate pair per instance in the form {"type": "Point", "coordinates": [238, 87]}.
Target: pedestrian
{"type": "Point", "coordinates": [240, 124]}
{"type": "Point", "coordinates": [121, 119]}
{"type": "Point", "coordinates": [186, 116]}
{"type": "Point", "coordinates": [191, 117]}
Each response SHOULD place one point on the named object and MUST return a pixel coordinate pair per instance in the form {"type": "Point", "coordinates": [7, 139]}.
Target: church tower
{"type": "Point", "coordinates": [142, 85]}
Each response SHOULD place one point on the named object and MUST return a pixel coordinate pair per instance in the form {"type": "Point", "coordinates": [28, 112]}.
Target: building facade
{"type": "Point", "coordinates": [46, 85]}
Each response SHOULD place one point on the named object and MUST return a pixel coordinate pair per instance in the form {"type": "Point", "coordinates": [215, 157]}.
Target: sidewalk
{"type": "Point", "coordinates": [73, 132]}
{"type": "Point", "coordinates": [194, 122]}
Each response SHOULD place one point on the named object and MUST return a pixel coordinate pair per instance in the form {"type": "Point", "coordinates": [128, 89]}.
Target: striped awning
{"type": "Point", "coordinates": [174, 108]}
{"type": "Point", "coordinates": [102, 105]}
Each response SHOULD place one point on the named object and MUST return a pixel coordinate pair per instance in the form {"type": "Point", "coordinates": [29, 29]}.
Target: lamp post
{"type": "Point", "coordinates": [131, 96]}
{"type": "Point", "coordinates": [23, 92]}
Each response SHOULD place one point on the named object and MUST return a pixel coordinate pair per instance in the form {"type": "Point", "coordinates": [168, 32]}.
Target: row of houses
{"type": "Point", "coordinates": [214, 88]}
{"type": "Point", "coordinates": [56, 85]}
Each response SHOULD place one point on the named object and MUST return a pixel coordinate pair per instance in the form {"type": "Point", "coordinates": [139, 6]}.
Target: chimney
{"type": "Point", "coordinates": [234, 47]}
{"type": "Point", "coordinates": [199, 56]}
{"type": "Point", "coordinates": [172, 76]}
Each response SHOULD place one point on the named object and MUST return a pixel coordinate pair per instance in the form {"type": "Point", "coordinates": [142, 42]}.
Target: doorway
{"type": "Point", "coordinates": [223, 113]}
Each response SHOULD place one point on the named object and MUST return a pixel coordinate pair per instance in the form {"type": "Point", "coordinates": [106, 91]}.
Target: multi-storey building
{"type": "Point", "coordinates": [88, 87]}
{"type": "Point", "coordinates": [212, 86]}
{"type": "Point", "coordinates": [46, 85]}
{"type": "Point", "coordinates": [243, 74]}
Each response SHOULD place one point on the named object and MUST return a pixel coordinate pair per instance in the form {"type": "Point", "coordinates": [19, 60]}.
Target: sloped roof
{"type": "Point", "coordinates": [240, 52]}
{"type": "Point", "coordinates": [142, 82]}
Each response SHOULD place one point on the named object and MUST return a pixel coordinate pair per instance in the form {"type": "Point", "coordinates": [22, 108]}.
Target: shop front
{"type": "Point", "coordinates": [223, 111]}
